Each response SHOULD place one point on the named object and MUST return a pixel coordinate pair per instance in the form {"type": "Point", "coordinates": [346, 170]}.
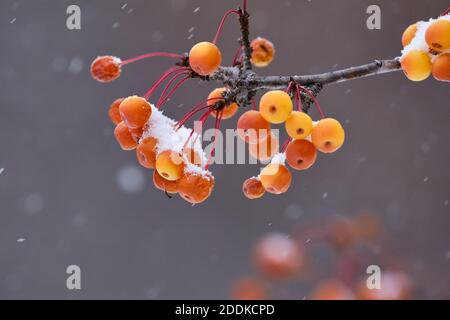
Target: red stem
{"type": "Point", "coordinates": [311, 95]}
{"type": "Point", "coordinates": [151, 55]}
{"type": "Point", "coordinates": [285, 144]}
{"type": "Point", "coordinates": [163, 98]}
{"type": "Point", "coordinates": [299, 99]}
{"type": "Point", "coordinates": [237, 55]}
{"type": "Point", "coordinates": [167, 74]}
{"type": "Point", "coordinates": [222, 23]}
{"type": "Point", "coordinates": [216, 131]}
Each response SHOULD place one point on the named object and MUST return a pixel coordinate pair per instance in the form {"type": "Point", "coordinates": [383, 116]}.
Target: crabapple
{"type": "Point", "coordinates": [217, 96]}
{"type": "Point", "coordinates": [249, 289]}
{"type": "Point", "coordinates": [409, 34]}
{"type": "Point", "coordinates": [328, 135]}
{"type": "Point", "coordinates": [137, 132]}
{"type": "Point", "coordinates": [416, 65]}
{"type": "Point", "coordinates": [277, 256]}
{"type": "Point", "coordinates": [253, 188]}
{"type": "Point", "coordinates": [252, 127]}
{"type": "Point", "coordinates": [146, 152]}
{"type": "Point", "coordinates": [106, 68]}
{"type": "Point", "coordinates": [195, 188]}
{"type": "Point", "coordinates": [264, 150]}
{"type": "Point", "coordinates": [263, 52]}
{"type": "Point", "coordinates": [275, 178]}
{"type": "Point", "coordinates": [301, 154]}
{"type": "Point", "coordinates": [170, 165]}
{"type": "Point", "coordinates": [332, 290]}
{"type": "Point", "coordinates": [114, 113]}
{"type": "Point", "coordinates": [437, 35]}
{"type": "Point", "coordinates": [299, 125]}
{"type": "Point", "coordinates": [124, 137]}
{"type": "Point", "coordinates": [164, 184]}
{"type": "Point", "coordinates": [395, 285]}
{"type": "Point", "coordinates": [205, 58]}
{"type": "Point", "coordinates": [275, 106]}
{"type": "Point", "coordinates": [135, 111]}
{"type": "Point", "coordinates": [441, 67]}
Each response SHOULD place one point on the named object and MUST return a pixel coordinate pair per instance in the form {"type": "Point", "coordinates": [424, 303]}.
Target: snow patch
{"type": "Point", "coordinates": [164, 130]}
{"type": "Point", "coordinates": [418, 42]}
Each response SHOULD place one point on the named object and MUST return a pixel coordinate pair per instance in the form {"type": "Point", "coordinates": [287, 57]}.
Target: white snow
{"type": "Point", "coordinates": [163, 129]}
{"type": "Point", "coordinates": [418, 42]}
{"type": "Point", "coordinates": [279, 158]}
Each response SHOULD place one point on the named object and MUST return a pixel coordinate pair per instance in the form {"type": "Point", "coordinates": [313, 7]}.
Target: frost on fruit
{"type": "Point", "coordinates": [425, 47]}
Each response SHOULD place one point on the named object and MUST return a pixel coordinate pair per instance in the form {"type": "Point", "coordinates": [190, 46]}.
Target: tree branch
{"type": "Point", "coordinates": [244, 84]}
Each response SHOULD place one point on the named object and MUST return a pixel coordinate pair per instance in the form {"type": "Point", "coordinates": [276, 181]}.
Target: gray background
{"type": "Point", "coordinates": [68, 195]}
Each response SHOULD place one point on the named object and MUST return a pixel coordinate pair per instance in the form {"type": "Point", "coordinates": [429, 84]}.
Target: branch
{"type": "Point", "coordinates": [245, 31]}
{"type": "Point", "coordinates": [244, 84]}
{"type": "Point", "coordinates": [374, 68]}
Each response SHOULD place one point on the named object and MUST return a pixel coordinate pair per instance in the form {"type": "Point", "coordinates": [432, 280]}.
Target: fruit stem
{"type": "Point", "coordinates": [285, 144]}
{"type": "Point", "coordinates": [165, 75]}
{"type": "Point", "coordinates": [237, 56]}
{"type": "Point", "coordinates": [151, 55]}
{"type": "Point", "coordinates": [316, 103]}
{"type": "Point", "coordinates": [216, 132]}
{"type": "Point", "coordinates": [222, 23]}
{"type": "Point", "coordinates": [163, 98]}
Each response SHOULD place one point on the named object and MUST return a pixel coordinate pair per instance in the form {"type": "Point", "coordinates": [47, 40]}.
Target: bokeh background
{"type": "Point", "coordinates": [69, 195]}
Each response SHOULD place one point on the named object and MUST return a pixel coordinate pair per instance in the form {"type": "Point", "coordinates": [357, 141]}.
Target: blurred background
{"type": "Point", "coordinates": [69, 195]}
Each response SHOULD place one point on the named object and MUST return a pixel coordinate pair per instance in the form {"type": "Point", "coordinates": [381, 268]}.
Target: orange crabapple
{"type": "Point", "coordinates": [263, 52]}
{"type": "Point", "coordinates": [275, 178]}
{"type": "Point", "coordinates": [249, 289]}
{"type": "Point", "coordinates": [301, 154]}
{"type": "Point", "coordinates": [275, 106]}
{"type": "Point", "coordinates": [137, 132]}
{"type": "Point", "coordinates": [164, 184]}
{"type": "Point", "coordinates": [114, 113]}
{"type": "Point", "coordinates": [299, 125]}
{"type": "Point", "coordinates": [332, 290]}
{"type": "Point", "coordinates": [266, 149]}
{"type": "Point", "coordinates": [170, 165]}
{"type": "Point", "coordinates": [252, 127]}
{"type": "Point", "coordinates": [441, 67]}
{"type": "Point", "coordinates": [437, 35]}
{"type": "Point", "coordinates": [278, 257]}
{"type": "Point", "coordinates": [395, 285]}
{"type": "Point", "coordinates": [135, 111]}
{"type": "Point", "coordinates": [146, 152]}
{"type": "Point", "coordinates": [342, 234]}
{"type": "Point", "coordinates": [106, 68]}
{"type": "Point", "coordinates": [253, 188]}
{"type": "Point", "coordinates": [195, 188]}
{"type": "Point", "coordinates": [217, 96]}
{"type": "Point", "coordinates": [328, 135]}
{"type": "Point", "coordinates": [409, 34]}
{"type": "Point", "coordinates": [205, 58]}
{"type": "Point", "coordinates": [416, 65]}
{"type": "Point", "coordinates": [124, 137]}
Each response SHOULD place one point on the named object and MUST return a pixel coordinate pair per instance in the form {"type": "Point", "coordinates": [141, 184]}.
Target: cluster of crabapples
{"type": "Point", "coordinates": [306, 137]}
{"type": "Point", "coordinates": [159, 144]}
{"type": "Point", "coordinates": [182, 170]}
{"type": "Point", "coordinates": [427, 49]}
